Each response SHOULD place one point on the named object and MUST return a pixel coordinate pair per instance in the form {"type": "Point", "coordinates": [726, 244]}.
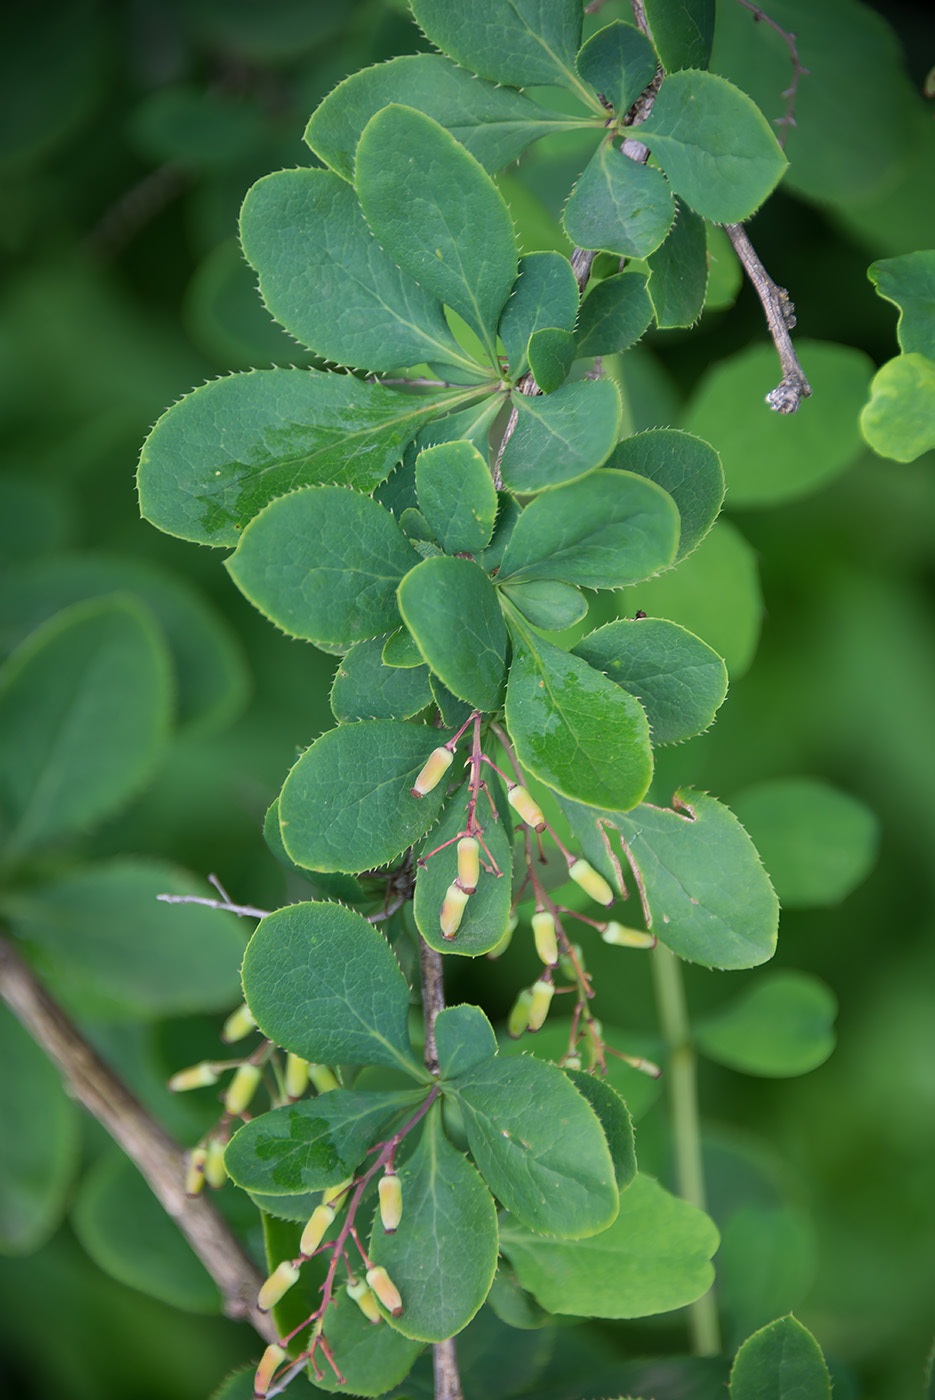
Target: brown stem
{"type": "Point", "coordinates": [780, 317]}
{"type": "Point", "coordinates": [159, 1159]}
{"type": "Point", "coordinates": [447, 1379]}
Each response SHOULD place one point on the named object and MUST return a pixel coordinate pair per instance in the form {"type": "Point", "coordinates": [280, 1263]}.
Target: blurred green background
{"type": "Point", "coordinates": [129, 133]}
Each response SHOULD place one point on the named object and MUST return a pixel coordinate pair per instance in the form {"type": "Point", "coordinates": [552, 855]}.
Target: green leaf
{"type": "Point", "coordinates": [614, 314]}
{"type": "Point", "coordinates": [457, 496]}
{"type": "Point", "coordinates": [329, 283]}
{"type": "Point", "coordinates": [685, 466]}
{"type": "Point", "coordinates": [817, 842]}
{"type": "Point", "coordinates": [371, 1359]}
{"type": "Point", "coordinates": [606, 530]}
{"type": "Point", "coordinates": [619, 205]}
{"type": "Point", "coordinates": [653, 1258]}
{"type": "Point", "coordinates": [714, 144]}
{"type": "Point", "coordinates": [469, 425]}
{"type": "Point", "coordinates": [782, 1025]}
{"type": "Point", "coordinates": [237, 1386]}
{"type": "Point", "coordinates": [539, 1146]}
{"type": "Point", "coordinates": [703, 890]}
{"type": "Point", "coordinates": [453, 711]}
{"type": "Point", "coordinates": [418, 532]}
{"type": "Point", "coordinates": [315, 1143]}
{"type": "Point", "coordinates": [561, 436]}
{"type": "Point", "coordinates": [323, 983]}
{"type": "Point", "coordinates": [464, 1038]}
{"type": "Point", "coordinates": [108, 948]}
{"type": "Point", "coordinates": [899, 420]}
{"type": "Point", "coordinates": [771, 457]}
{"type": "Point", "coordinates": [637, 1090]}
{"type": "Point", "coordinates": [512, 1304]}
{"type": "Point", "coordinates": [400, 650]}
{"type": "Point", "coordinates": [551, 356]}
{"type": "Point", "coordinates": [508, 512]}
{"type": "Point", "coordinates": [39, 1147]}
{"type": "Point", "coordinates": [451, 608]}
{"type": "Point", "coordinates": [438, 214]}
{"type": "Point", "coordinates": [346, 803]}
{"type": "Point", "coordinates": [547, 604]}
{"type": "Point", "coordinates": [517, 42]}
{"type": "Point", "coordinates": [715, 594]}
{"type": "Point", "coordinates": [682, 32]}
{"type": "Point", "coordinates": [131, 1237]}
{"type": "Point", "coordinates": [323, 563]}
{"type": "Point", "coordinates": [325, 886]}
{"type": "Point", "coordinates": [780, 1362]}
{"type": "Point", "coordinates": [366, 688]}
{"type": "Point", "coordinates": [574, 729]}
{"type": "Point", "coordinates": [544, 294]}
{"type": "Point", "coordinates": [909, 282]}
{"type": "Point", "coordinates": [619, 62]}
{"type": "Point", "coordinates": [443, 1256]}
{"type": "Point", "coordinates": [84, 713]}
{"type": "Point", "coordinates": [493, 123]}
{"type": "Point", "coordinates": [614, 1119]}
{"type": "Point", "coordinates": [677, 678]}
{"type": "Point", "coordinates": [679, 271]}
{"type": "Point", "coordinates": [487, 912]}
{"type": "Point", "coordinates": [222, 453]}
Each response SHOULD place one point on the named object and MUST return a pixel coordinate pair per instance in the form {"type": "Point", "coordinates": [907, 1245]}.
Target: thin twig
{"type": "Point", "coordinates": [798, 70]}
{"type": "Point", "coordinates": [246, 911]}
{"type": "Point", "coordinates": [780, 317]}
{"type": "Point", "coordinates": [160, 1160]}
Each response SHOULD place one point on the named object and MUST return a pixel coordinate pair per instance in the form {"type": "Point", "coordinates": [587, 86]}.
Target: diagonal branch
{"type": "Point", "coordinates": [780, 317]}
{"type": "Point", "coordinates": [160, 1160]}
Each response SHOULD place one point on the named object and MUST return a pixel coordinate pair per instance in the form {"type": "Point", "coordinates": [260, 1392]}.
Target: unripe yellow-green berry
{"type": "Point", "coordinates": [543, 927]}
{"type": "Point", "coordinates": [215, 1170]}
{"type": "Point", "coordinates": [391, 1202]}
{"type": "Point", "coordinates": [518, 1019]}
{"type": "Point", "coordinates": [541, 1000]}
{"type": "Point", "coordinates": [590, 881]}
{"type": "Point", "coordinates": [571, 1062]}
{"type": "Point", "coordinates": [242, 1088]}
{"type": "Point", "coordinates": [500, 948]}
{"type": "Point", "coordinates": [238, 1024]}
{"type": "Point", "coordinates": [295, 1078]}
{"type": "Point", "coordinates": [323, 1078]}
{"type": "Point", "coordinates": [623, 937]}
{"type": "Point", "coordinates": [270, 1362]}
{"type": "Point", "coordinates": [567, 963]}
{"type": "Point", "coordinates": [279, 1282]}
{"type": "Point", "coordinates": [195, 1077]}
{"type": "Point", "coordinates": [319, 1223]}
{"type": "Point", "coordinates": [452, 910]}
{"type": "Point", "coordinates": [386, 1290]}
{"type": "Point", "coordinates": [362, 1295]}
{"type": "Point", "coordinates": [522, 801]}
{"type": "Point", "coordinates": [195, 1171]}
{"type": "Point", "coordinates": [337, 1195]}
{"type": "Point", "coordinates": [468, 864]}
{"type": "Point", "coordinates": [433, 770]}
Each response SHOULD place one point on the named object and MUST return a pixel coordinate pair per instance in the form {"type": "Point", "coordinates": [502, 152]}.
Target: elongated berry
{"type": "Point", "coordinates": [468, 864]}
{"type": "Point", "coordinates": [279, 1282]}
{"type": "Point", "coordinates": [452, 910]}
{"type": "Point", "coordinates": [500, 948]}
{"type": "Point", "coordinates": [295, 1078]}
{"type": "Point", "coordinates": [238, 1024]}
{"type": "Point", "coordinates": [391, 1202]}
{"type": "Point", "coordinates": [433, 770]}
{"type": "Point", "coordinates": [623, 937]}
{"type": "Point", "coordinates": [528, 808]}
{"type": "Point", "coordinates": [518, 1019]}
{"type": "Point", "coordinates": [270, 1362]}
{"type": "Point", "coordinates": [215, 1170]}
{"type": "Point", "coordinates": [362, 1295]}
{"type": "Point", "coordinates": [567, 962]}
{"type": "Point", "coordinates": [337, 1195]}
{"type": "Point", "coordinates": [195, 1171]}
{"type": "Point", "coordinates": [242, 1088]}
{"type": "Point", "coordinates": [543, 927]}
{"type": "Point", "coordinates": [319, 1222]}
{"type": "Point", "coordinates": [195, 1077]}
{"type": "Point", "coordinates": [590, 881]}
{"type": "Point", "coordinates": [541, 1000]}
{"type": "Point", "coordinates": [323, 1078]}
{"type": "Point", "coordinates": [386, 1290]}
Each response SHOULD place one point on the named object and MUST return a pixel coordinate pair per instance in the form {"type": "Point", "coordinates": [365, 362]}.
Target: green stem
{"type": "Point", "coordinates": [682, 1079]}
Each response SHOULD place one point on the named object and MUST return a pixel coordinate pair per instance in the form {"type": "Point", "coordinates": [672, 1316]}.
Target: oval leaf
{"type": "Point", "coordinates": [619, 205]}
{"type": "Point", "coordinates": [517, 42]}
{"type": "Point", "coordinates": [685, 466]}
{"type": "Point", "coordinates": [561, 436]}
{"type": "Point", "coordinates": [451, 608]}
{"type": "Point", "coordinates": [614, 314]}
{"type": "Point", "coordinates": [544, 294]}
{"type": "Point", "coordinates": [366, 688]}
{"type": "Point", "coordinates": [780, 1362]}
{"type": "Point", "coordinates": [781, 1026]}
{"type": "Point", "coordinates": [457, 496]}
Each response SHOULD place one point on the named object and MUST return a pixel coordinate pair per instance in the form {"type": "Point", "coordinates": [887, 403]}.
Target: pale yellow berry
{"type": "Point", "coordinates": [270, 1362]}
{"type": "Point", "coordinates": [215, 1170]}
{"type": "Point", "coordinates": [468, 864]}
{"type": "Point", "coordinates": [336, 1195]}
{"type": "Point", "coordinates": [434, 769]}
{"type": "Point", "coordinates": [295, 1078]}
{"type": "Point", "coordinates": [391, 1202]}
{"type": "Point", "coordinates": [528, 808]}
{"type": "Point", "coordinates": [363, 1297]}
{"type": "Point", "coordinates": [623, 937]}
{"type": "Point", "coordinates": [319, 1223]}
{"type": "Point", "coordinates": [195, 1077]}
{"type": "Point", "coordinates": [452, 911]}
{"type": "Point", "coordinates": [386, 1290]}
{"type": "Point", "coordinates": [571, 1062]}
{"type": "Point", "coordinates": [541, 1000]}
{"type": "Point", "coordinates": [323, 1078]}
{"type": "Point", "coordinates": [543, 927]}
{"type": "Point", "coordinates": [195, 1171]}
{"type": "Point", "coordinates": [279, 1282]}
{"type": "Point", "coordinates": [242, 1088]}
{"type": "Point", "coordinates": [591, 882]}
{"type": "Point", "coordinates": [238, 1024]}
{"type": "Point", "coordinates": [518, 1019]}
